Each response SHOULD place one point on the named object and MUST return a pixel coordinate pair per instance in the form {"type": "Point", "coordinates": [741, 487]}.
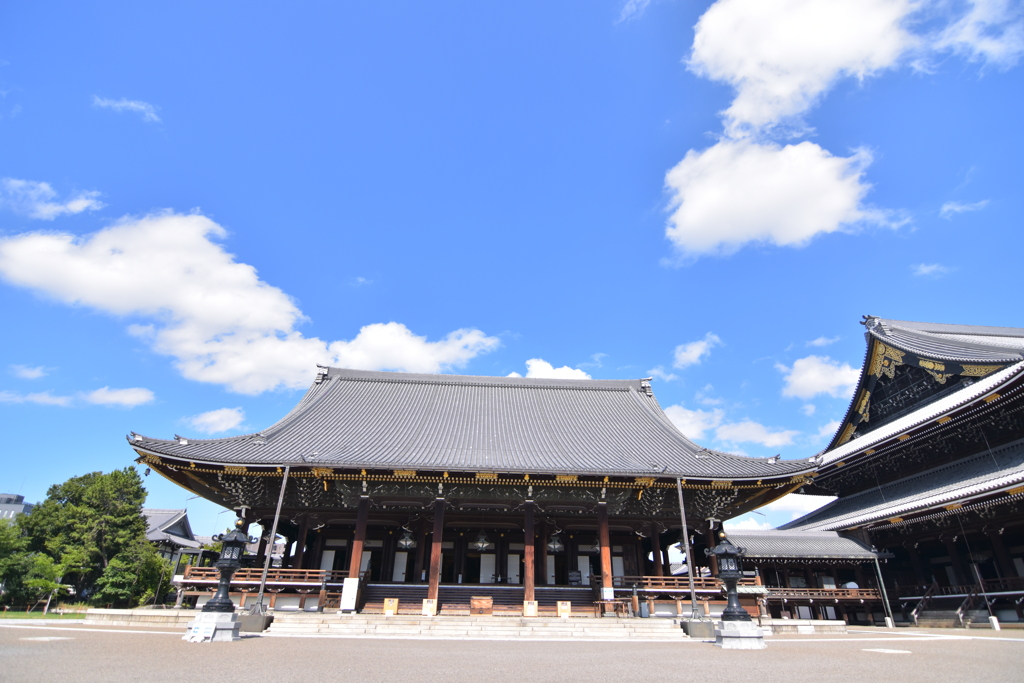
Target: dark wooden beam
{"type": "Point", "coordinates": [435, 550]}
{"type": "Point", "coordinates": [528, 554]}
{"type": "Point", "coordinates": [606, 548]}
{"type": "Point", "coordinates": [355, 557]}
{"type": "Point", "coordinates": [656, 550]}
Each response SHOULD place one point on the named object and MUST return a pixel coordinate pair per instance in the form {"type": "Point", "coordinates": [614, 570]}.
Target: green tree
{"type": "Point", "coordinates": [14, 562]}
{"type": "Point", "coordinates": [133, 576]}
{"type": "Point", "coordinates": [85, 522]}
{"type": "Point", "coordinates": [43, 579]}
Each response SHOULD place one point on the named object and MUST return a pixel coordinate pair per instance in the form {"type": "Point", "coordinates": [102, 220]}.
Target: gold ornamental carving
{"type": "Point", "coordinates": [235, 469]}
{"type": "Point", "coordinates": [864, 406]}
{"type": "Point", "coordinates": [935, 369]}
{"type": "Point", "coordinates": [847, 433]}
{"type": "Point", "coordinates": [322, 472]}
{"type": "Point", "coordinates": [885, 360]}
{"type": "Point", "coordinates": [979, 370]}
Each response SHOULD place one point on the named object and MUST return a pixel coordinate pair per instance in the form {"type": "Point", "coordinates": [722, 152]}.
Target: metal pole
{"type": "Point", "coordinates": [885, 595]}
{"type": "Point", "coordinates": [257, 607]}
{"type": "Point", "coordinates": [686, 550]}
{"type": "Point", "coordinates": [981, 586]}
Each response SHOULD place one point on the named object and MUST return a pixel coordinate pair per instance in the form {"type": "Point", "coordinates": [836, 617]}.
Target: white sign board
{"type": "Point", "coordinates": [349, 590]}
{"type": "Point", "coordinates": [607, 593]}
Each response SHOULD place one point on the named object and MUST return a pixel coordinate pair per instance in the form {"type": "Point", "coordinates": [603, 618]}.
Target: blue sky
{"type": "Point", "coordinates": [199, 203]}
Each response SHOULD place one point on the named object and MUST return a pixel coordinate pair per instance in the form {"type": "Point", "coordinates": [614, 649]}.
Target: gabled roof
{"type": "Point", "coordinates": [169, 526]}
{"type": "Point", "coordinates": [956, 356]}
{"type": "Point", "coordinates": [775, 544]}
{"type": "Point", "coordinates": [385, 420]}
{"type": "Point", "coordinates": [986, 473]}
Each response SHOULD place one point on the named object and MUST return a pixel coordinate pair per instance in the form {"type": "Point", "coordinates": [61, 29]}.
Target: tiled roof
{"type": "Point", "coordinates": [800, 544]}
{"type": "Point", "coordinates": [384, 420]}
{"type": "Point", "coordinates": [159, 520]}
{"type": "Point", "coordinates": [982, 474]}
{"type": "Point", "coordinates": [955, 343]}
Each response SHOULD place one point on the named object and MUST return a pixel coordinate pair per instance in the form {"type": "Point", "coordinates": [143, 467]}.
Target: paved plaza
{"type": "Point", "coordinates": [61, 652]}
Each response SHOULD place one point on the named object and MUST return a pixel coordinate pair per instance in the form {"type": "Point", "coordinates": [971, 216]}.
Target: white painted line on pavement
{"type": "Point", "coordinates": [94, 630]}
{"type": "Point", "coordinates": [888, 652]}
{"type": "Point", "coordinates": [47, 639]}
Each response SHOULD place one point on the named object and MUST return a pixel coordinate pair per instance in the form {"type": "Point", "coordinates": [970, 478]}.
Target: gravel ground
{"type": "Point", "coordinates": [61, 652]}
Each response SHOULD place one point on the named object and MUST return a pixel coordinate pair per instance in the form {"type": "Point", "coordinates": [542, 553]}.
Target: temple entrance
{"type": "Point", "coordinates": [480, 568]}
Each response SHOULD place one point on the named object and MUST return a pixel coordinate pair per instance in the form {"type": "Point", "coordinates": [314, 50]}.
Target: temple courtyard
{"type": "Point", "coordinates": [63, 651]}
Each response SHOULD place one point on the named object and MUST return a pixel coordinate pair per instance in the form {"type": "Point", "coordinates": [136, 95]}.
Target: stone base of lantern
{"type": "Point", "coordinates": [739, 635]}
{"type": "Point", "coordinates": [213, 627]}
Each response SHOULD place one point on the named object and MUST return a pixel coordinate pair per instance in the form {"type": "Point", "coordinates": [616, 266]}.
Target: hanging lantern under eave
{"type": "Point", "coordinates": [407, 542]}
{"type": "Point", "coordinates": [481, 543]}
{"type": "Point", "coordinates": [555, 544]}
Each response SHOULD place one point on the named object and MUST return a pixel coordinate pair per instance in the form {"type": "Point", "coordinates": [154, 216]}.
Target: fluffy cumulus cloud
{"type": "Point", "coordinates": [738, 191]}
{"type": "Point", "coordinates": [691, 354]}
{"type": "Point", "coordinates": [217, 421]}
{"type": "Point", "coordinates": [541, 369]}
{"type": "Point", "coordinates": [44, 398]}
{"type": "Point", "coordinates": [145, 109]}
{"type": "Point", "coordinates": [797, 505]}
{"type": "Point", "coordinates": [694, 423]}
{"type": "Point", "coordinates": [828, 430]}
{"type": "Point", "coordinates": [814, 375]}
{"type": "Point", "coordinates": [122, 398]}
{"type": "Point", "coordinates": [750, 523]}
{"type": "Point", "coordinates": [781, 55]}
{"type": "Point", "coordinates": [748, 431]}
{"type": "Point", "coordinates": [39, 200]}
{"type": "Point", "coordinates": [209, 312]}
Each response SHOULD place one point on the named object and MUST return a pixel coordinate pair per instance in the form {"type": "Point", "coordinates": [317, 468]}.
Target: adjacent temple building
{"type": "Point", "coordinates": [446, 489]}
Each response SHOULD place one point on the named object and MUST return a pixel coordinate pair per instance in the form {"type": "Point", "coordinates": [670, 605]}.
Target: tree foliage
{"type": "Point", "coordinates": [90, 531]}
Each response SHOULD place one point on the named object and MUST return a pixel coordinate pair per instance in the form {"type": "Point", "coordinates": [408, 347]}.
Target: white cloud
{"type": "Point", "coordinates": [216, 421]}
{"type": "Point", "coordinates": [125, 398]}
{"type": "Point", "coordinates": [693, 423]}
{"type": "Point", "coordinates": [815, 375]}
{"type": "Point", "coordinates": [29, 372]}
{"type": "Point", "coordinates": [662, 374]}
{"type": "Point", "coordinates": [828, 429]}
{"type": "Point", "coordinates": [782, 55]}
{"type": "Point", "coordinates": [808, 409]}
{"type": "Point", "coordinates": [746, 524]}
{"type": "Point", "coordinates": [44, 398]}
{"type": "Point", "coordinates": [633, 9]}
{"type": "Point", "coordinates": [540, 368]}
{"type": "Point", "coordinates": [692, 353]}
{"type": "Point", "coordinates": [703, 396]}
{"type": "Point", "coordinates": [930, 269]}
{"type": "Point", "coordinates": [990, 31]}
{"type": "Point", "coordinates": [823, 341]}
{"type": "Point", "coordinates": [796, 504]}
{"type": "Point", "coordinates": [212, 314]}
{"type": "Point", "coordinates": [749, 431]}
{"type": "Point", "coordinates": [36, 199]}
{"type": "Point", "coordinates": [950, 209]}
{"type": "Point", "coordinates": [147, 110]}
{"type": "Point", "coordinates": [737, 192]}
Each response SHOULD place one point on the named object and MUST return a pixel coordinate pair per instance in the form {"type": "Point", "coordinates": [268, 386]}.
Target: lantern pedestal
{"type": "Point", "coordinates": [213, 627]}
{"type": "Point", "coordinates": [739, 635]}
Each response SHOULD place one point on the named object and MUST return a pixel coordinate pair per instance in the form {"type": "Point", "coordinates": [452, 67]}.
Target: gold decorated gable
{"type": "Point", "coordinates": [885, 360]}
{"type": "Point", "coordinates": [979, 370]}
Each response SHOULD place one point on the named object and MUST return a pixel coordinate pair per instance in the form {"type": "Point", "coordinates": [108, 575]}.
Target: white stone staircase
{"type": "Point", "coordinates": [476, 628]}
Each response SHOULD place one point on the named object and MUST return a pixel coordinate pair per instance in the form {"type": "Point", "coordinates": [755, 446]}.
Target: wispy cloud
{"type": "Point", "coordinates": [930, 270]}
{"type": "Point", "coordinates": [44, 398]}
{"type": "Point", "coordinates": [633, 9]}
{"type": "Point", "coordinates": [147, 110]}
{"type": "Point", "coordinates": [125, 398]}
{"type": "Point", "coordinates": [662, 374]}
{"type": "Point", "coordinates": [748, 431]}
{"type": "Point", "coordinates": [823, 341]}
{"type": "Point", "coordinates": [692, 353]}
{"type": "Point", "coordinates": [29, 372]}
{"type": "Point", "coordinates": [36, 199]}
{"type": "Point", "coordinates": [950, 209]}
{"type": "Point", "coordinates": [216, 421]}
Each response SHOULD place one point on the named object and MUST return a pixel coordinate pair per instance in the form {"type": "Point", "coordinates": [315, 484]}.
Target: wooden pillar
{"type": "Point", "coordinates": [606, 548]}
{"type": "Point", "coordinates": [355, 557]}
{"type": "Point", "coordinates": [421, 551]}
{"type": "Point", "coordinates": [915, 563]}
{"type": "Point", "coordinates": [300, 544]}
{"type": "Point", "coordinates": [656, 550]}
{"type": "Point", "coordinates": [999, 550]}
{"type": "Point", "coordinates": [711, 541]}
{"type": "Point", "coordinates": [528, 554]}
{"type": "Point", "coordinates": [542, 555]}
{"type": "Point", "coordinates": [958, 569]}
{"type": "Point", "coordinates": [665, 563]}
{"type": "Point", "coordinates": [435, 551]}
